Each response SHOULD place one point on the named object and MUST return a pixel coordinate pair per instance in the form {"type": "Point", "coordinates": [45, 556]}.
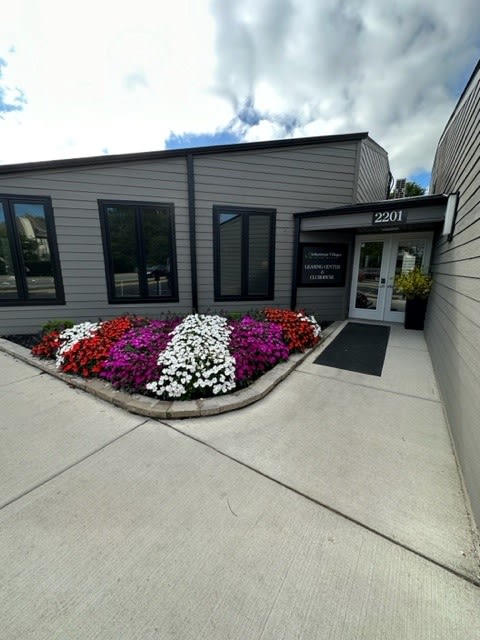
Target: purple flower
{"type": "Point", "coordinates": [132, 361]}
{"type": "Point", "coordinates": [257, 346]}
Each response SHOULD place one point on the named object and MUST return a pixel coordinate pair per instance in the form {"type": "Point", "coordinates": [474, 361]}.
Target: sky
{"type": "Point", "coordinates": [99, 77]}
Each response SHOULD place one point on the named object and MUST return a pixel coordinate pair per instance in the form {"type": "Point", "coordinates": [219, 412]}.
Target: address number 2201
{"type": "Point", "coordinates": [389, 217]}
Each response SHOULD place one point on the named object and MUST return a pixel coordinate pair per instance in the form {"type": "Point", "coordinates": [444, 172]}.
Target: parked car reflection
{"type": "Point", "coordinates": [157, 271]}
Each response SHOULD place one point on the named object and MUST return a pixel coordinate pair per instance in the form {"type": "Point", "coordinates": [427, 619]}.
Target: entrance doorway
{"type": "Point", "coordinates": [377, 260]}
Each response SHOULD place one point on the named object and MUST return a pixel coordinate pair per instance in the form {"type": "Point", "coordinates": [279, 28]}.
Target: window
{"type": "Point", "coordinates": [243, 253]}
{"type": "Point", "coordinates": [29, 264]}
{"type": "Point", "coordinates": [139, 249]}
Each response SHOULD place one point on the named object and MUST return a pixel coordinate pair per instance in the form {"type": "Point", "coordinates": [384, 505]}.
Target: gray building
{"type": "Point", "coordinates": [198, 229]}
{"type": "Point", "coordinates": [453, 320]}
{"type": "Point", "coordinates": [303, 223]}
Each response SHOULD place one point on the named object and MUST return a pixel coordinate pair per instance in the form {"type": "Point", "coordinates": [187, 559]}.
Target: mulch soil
{"type": "Point", "coordinates": [25, 340]}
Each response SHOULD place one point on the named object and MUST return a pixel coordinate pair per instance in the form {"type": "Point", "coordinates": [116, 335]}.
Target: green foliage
{"type": "Point", "coordinates": [57, 325]}
{"type": "Point", "coordinates": [413, 189]}
{"type": "Point", "coordinates": [414, 284]}
{"type": "Point", "coordinates": [234, 315]}
{"type": "Point", "coordinates": [256, 314]}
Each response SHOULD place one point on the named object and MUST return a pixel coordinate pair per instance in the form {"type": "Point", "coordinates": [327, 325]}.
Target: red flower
{"type": "Point", "coordinates": [48, 345]}
{"type": "Point", "coordinates": [298, 332]}
{"type": "Point", "coordinates": [88, 355]}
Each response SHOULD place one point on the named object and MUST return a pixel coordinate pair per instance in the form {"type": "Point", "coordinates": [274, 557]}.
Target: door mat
{"type": "Point", "coordinates": [358, 347]}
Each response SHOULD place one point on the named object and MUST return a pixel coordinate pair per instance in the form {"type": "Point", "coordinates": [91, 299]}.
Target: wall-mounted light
{"type": "Point", "coordinates": [450, 215]}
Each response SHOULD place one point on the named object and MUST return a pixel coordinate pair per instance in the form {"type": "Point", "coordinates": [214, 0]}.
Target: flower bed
{"type": "Point", "coordinates": [195, 357]}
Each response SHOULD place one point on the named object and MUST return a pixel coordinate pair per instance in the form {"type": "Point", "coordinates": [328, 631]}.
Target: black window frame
{"type": "Point", "coordinates": [20, 272]}
{"type": "Point", "coordinates": [245, 213]}
{"type": "Point", "coordinates": [144, 298]}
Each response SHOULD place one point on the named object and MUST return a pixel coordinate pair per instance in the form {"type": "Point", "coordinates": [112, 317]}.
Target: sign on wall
{"type": "Point", "coordinates": [322, 265]}
{"type": "Point", "coordinates": [389, 217]}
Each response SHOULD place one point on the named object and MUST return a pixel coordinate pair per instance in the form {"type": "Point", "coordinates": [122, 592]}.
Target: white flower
{"type": "Point", "coordinates": [316, 327]}
{"type": "Point", "coordinates": [196, 354]}
{"type": "Point", "coordinates": [317, 331]}
{"type": "Point", "coordinates": [69, 337]}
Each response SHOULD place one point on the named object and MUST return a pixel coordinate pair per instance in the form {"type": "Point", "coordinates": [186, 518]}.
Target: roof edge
{"type": "Point", "coordinates": [379, 205]}
{"type": "Point", "coordinates": [459, 102]}
{"type": "Point", "coordinates": [172, 153]}
{"type": "Point", "coordinates": [377, 146]}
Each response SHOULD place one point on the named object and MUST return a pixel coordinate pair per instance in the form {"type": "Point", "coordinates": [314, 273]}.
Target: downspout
{"type": "Point", "coordinates": [296, 240]}
{"type": "Point", "coordinates": [192, 231]}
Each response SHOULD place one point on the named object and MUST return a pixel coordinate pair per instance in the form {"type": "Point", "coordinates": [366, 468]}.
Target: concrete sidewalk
{"type": "Point", "coordinates": [330, 509]}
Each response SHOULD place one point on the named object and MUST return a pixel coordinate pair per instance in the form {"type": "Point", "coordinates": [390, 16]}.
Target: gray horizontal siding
{"type": "Point", "coordinates": [458, 268]}
{"type": "Point", "coordinates": [325, 304]}
{"type": "Point", "coordinates": [332, 163]}
{"type": "Point", "coordinates": [453, 319]}
{"type": "Point", "coordinates": [74, 193]}
{"type": "Point", "coordinates": [448, 253]}
{"type": "Point", "coordinates": [451, 167]}
{"type": "Point", "coordinates": [373, 173]}
{"type": "Point", "coordinates": [287, 180]}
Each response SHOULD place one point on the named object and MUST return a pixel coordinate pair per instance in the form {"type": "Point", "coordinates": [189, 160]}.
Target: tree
{"type": "Point", "coordinates": [407, 189]}
{"type": "Point", "coordinates": [413, 189]}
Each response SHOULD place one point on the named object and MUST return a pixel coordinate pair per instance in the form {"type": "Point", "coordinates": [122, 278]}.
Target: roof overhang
{"type": "Point", "coordinates": [400, 214]}
{"type": "Point", "coordinates": [145, 156]}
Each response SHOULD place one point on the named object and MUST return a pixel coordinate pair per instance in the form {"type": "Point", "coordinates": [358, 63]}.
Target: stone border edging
{"type": "Point", "coordinates": [161, 409]}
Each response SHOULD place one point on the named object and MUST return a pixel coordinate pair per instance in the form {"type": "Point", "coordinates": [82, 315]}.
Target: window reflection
{"type": "Point", "coordinates": [230, 254]}
{"type": "Point", "coordinates": [409, 256]}
{"type": "Point", "coordinates": [140, 251]}
{"type": "Point", "coordinates": [123, 253]}
{"type": "Point", "coordinates": [244, 253]}
{"type": "Point", "coordinates": [369, 275]}
{"type": "Point", "coordinates": [8, 284]}
{"type": "Point", "coordinates": [29, 267]}
{"type": "Point", "coordinates": [258, 255]}
{"type": "Point", "coordinates": [37, 261]}
{"type": "Point", "coordinates": [156, 235]}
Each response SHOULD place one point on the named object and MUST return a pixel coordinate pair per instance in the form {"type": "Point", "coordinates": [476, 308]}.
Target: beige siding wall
{"type": "Point", "coordinates": [373, 173]}
{"type": "Point", "coordinates": [372, 179]}
{"type": "Point", "coordinates": [288, 180]}
{"type": "Point", "coordinates": [453, 322]}
{"type": "Point", "coordinates": [74, 194]}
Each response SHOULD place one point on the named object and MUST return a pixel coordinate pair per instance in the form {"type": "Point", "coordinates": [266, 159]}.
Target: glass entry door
{"type": "Point", "coordinates": [405, 256]}
{"type": "Point", "coordinates": [369, 279]}
{"type": "Point", "coordinates": [378, 260]}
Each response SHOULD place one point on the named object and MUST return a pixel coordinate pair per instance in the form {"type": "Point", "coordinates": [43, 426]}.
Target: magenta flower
{"type": "Point", "coordinates": [133, 359]}
{"type": "Point", "coordinates": [257, 346]}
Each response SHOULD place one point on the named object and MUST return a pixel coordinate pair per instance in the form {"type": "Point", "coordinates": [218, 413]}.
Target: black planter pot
{"type": "Point", "coordinates": [415, 313]}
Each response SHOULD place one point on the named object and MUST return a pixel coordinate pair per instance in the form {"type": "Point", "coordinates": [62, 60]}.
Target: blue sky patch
{"type": "Point", "coordinates": [187, 140]}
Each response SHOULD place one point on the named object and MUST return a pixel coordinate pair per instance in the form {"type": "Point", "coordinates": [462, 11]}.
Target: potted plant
{"type": "Point", "coordinates": [415, 286]}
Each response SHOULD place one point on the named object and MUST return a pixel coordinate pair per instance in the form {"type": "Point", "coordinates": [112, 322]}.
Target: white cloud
{"type": "Point", "coordinates": [97, 78]}
{"type": "Point", "coordinates": [345, 66]}
{"type": "Point", "coordinates": [125, 79]}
